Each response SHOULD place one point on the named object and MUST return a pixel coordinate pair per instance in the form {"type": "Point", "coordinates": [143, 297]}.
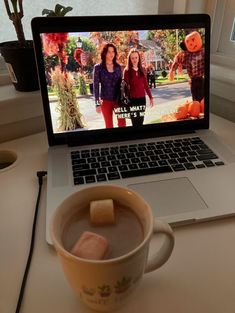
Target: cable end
{"type": "Point", "coordinates": [40, 175]}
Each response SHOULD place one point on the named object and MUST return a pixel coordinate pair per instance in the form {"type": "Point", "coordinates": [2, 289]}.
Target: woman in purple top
{"type": "Point", "coordinates": [107, 79]}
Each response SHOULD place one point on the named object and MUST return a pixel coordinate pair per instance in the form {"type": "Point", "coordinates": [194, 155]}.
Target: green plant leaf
{"type": "Point", "coordinates": [60, 10]}
{"type": "Point", "coordinates": [48, 12]}
{"type": "Point", "coordinates": [66, 10]}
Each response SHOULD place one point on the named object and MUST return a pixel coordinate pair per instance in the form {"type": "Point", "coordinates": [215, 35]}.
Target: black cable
{"type": "Point", "coordinates": [40, 176]}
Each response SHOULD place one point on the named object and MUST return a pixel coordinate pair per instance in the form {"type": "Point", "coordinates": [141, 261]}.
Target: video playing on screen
{"type": "Point", "coordinates": [111, 79]}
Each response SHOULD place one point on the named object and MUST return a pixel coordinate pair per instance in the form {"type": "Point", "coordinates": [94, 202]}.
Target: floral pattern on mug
{"type": "Point", "coordinates": [104, 290]}
{"type": "Point", "coordinates": [122, 285]}
{"type": "Point", "coordinates": [88, 291]}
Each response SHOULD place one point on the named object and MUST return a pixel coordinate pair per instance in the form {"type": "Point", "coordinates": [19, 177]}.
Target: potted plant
{"type": "Point", "coordinates": [19, 55]}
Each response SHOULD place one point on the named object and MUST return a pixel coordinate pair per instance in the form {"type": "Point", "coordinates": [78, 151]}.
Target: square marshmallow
{"type": "Point", "coordinates": [90, 246]}
{"type": "Point", "coordinates": [102, 212]}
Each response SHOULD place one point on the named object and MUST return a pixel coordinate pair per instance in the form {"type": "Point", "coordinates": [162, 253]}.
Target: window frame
{"type": "Point", "coordinates": [216, 8]}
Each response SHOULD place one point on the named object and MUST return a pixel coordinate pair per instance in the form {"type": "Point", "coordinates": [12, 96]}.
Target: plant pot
{"type": "Point", "coordinates": [21, 65]}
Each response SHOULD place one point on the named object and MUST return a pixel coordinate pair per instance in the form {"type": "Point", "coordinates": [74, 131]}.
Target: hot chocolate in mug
{"type": "Point", "coordinates": [105, 285]}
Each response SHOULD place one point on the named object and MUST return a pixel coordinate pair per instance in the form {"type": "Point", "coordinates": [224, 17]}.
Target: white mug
{"type": "Point", "coordinates": [105, 285]}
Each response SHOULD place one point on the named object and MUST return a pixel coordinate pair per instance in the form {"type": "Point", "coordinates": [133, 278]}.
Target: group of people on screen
{"type": "Point", "coordinates": [107, 80]}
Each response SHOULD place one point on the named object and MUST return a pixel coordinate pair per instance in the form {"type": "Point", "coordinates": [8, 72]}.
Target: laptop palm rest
{"type": "Point", "coordinates": [171, 196]}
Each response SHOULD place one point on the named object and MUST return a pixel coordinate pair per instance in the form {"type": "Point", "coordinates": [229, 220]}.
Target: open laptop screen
{"type": "Point", "coordinates": [82, 62]}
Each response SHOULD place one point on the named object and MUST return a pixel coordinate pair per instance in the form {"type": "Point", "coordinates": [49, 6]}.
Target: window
{"type": "Point", "coordinates": [88, 7]}
{"type": "Point", "coordinates": [222, 47]}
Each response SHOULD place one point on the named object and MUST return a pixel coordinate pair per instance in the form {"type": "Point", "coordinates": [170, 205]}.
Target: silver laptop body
{"type": "Point", "coordinates": [180, 197]}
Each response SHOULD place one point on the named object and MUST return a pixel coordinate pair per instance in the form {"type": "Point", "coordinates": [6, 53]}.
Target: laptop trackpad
{"type": "Point", "coordinates": [171, 196]}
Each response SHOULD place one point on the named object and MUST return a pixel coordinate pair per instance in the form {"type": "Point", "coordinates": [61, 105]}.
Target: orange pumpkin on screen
{"type": "Point", "coordinates": [202, 105]}
{"type": "Point", "coordinates": [182, 111]}
{"type": "Point", "coordinates": [193, 42]}
{"type": "Point", "coordinates": [194, 108]}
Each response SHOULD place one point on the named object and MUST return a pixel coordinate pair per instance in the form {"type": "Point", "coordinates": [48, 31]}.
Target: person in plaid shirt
{"type": "Point", "coordinates": [194, 62]}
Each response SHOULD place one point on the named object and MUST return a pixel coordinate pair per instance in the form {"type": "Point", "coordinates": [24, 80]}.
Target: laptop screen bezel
{"type": "Point", "coordinates": [104, 23]}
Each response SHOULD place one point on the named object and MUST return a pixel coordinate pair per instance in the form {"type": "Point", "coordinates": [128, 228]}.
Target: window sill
{"type": "Point", "coordinates": [21, 113]}
{"type": "Point", "coordinates": [223, 82]}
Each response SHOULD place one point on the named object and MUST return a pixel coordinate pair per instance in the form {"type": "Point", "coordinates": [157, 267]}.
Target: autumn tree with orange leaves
{"type": "Point", "coordinates": [123, 40]}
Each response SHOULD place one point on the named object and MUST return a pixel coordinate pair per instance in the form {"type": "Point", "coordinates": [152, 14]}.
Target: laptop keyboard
{"type": "Point", "coordinates": [125, 161]}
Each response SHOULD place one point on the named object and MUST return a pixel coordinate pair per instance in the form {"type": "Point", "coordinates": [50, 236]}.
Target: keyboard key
{"type": "Point", "coordinates": [95, 165]}
{"type": "Point", "coordinates": [101, 177]}
{"type": "Point", "coordinates": [105, 164]}
{"type": "Point", "coordinates": [75, 156]}
{"type": "Point", "coordinates": [140, 154]}
{"type": "Point", "coordinates": [173, 155]}
{"type": "Point", "coordinates": [218, 163]}
{"type": "Point", "coordinates": [182, 160]}
{"type": "Point", "coordinates": [176, 150]}
{"type": "Point", "coordinates": [130, 155]}
{"type": "Point", "coordinates": [154, 157]}
{"type": "Point", "coordinates": [91, 160]}
{"type": "Point", "coordinates": [201, 165]}
{"type": "Point", "coordinates": [101, 159]}
{"type": "Point", "coordinates": [163, 156]}
{"type": "Point", "coordinates": [143, 165]}
{"type": "Point", "coordinates": [80, 167]}
{"type": "Point", "coordinates": [192, 153]}
{"type": "Point", "coordinates": [146, 171]}
{"type": "Point", "coordinates": [204, 157]}
{"type": "Point", "coordinates": [78, 181]}
{"type": "Point", "coordinates": [149, 153]}
{"type": "Point", "coordinates": [123, 168]}
{"type": "Point", "coordinates": [90, 179]}
{"type": "Point", "coordinates": [144, 159]}
{"type": "Point", "coordinates": [209, 163]}
{"type": "Point", "coordinates": [178, 167]}
{"type": "Point", "coordinates": [132, 149]}
{"type": "Point", "coordinates": [111, 157]}
{"type": "Point", "coordinates": [125, 161]}
{"type": "Point", "coordinates": [162, 162]}
{"type": "Point", "coordinates": [102, 170]}
{"type": "Point", "coordinates": [115, 162]}
{"type": "Point", "coordinates": [132, 166]}
{"type": "Point", "coordinates": [95, 154]}
{"type": "Point", "coordinates": [79, 161]}
{"type": "Point", "coordinates": [85, 155]}
{"type": "Point", "coordinates": [205, 151]}
{"type": "Point", "coordinates": [153, 164]}
{"type": "Point", "coordinates": [191, 159]}
{"type": "Point", "coordinates": [172, 161]}
{"type": "Point", "coordinates": [114, 175]}
{"type": "Point", "coordinates": [189, 166]}
{"type": "Point", "coordinates": [182, 154]}
{"type": "Point", "coordinates": [135, 160]}
{"type": "Point", "coordinates": [84, 173]}
{"type": "Point", "coordinates": [112, 169]}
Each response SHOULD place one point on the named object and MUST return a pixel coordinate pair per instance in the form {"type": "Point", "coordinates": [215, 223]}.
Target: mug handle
{"type": "Point", "coordinates": [159, 258]}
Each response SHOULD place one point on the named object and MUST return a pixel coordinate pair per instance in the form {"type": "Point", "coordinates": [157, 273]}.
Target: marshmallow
{"type": "Point", "coordinates": [102, 212]}
{"type": "Point", "coordinates": [90, 246]}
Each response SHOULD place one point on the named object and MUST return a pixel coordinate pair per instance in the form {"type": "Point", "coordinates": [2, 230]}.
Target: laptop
{"type": "Point", "coordinates": [170, 157]}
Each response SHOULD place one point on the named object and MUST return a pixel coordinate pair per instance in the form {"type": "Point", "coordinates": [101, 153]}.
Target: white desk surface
{"type": "Point", "coordinates": [199, 276]}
